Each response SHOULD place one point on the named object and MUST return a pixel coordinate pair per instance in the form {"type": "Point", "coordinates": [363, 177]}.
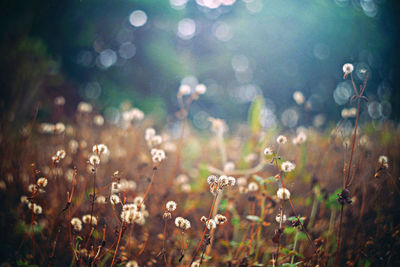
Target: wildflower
{"type": "Point", "coordinates": [94, 160]}
{"type": "Point", "coordinates": [220, 219]}
{"type": "Point", "coordinates": [100, 149]}
{"type": "Point", "coordinates": [115, 187]}
{"type": "Point", "coordinates": [184, 89]}
{"type": "Point", "coordinates": [42, 182]}
{"type": "Point", "coordinates": [171, 205]}
{"type": "Point", "coordinates": [300, 138]}
{"type": "Point", "coordinates": [212, 179]}
{"type": "Point", "coordinates": [73, 146]}
{"type": "Point", "coordinates": [231, 181]}
{"type": "Point", "coordinates": [149, 133]}
{"type": "Point", "coordinates": [158, 155]}
{"type": "Point", "coordinates": [182, 223]}
{"type": "Point", "coordinates": [252, 187]}
{"type": "Point", "coordinates": [200, 89]}
{"type": "Point", "coordinates": [203, 219]}
{"type": "Point", "coordinates": [37, 209]}
{"type": "Point", "coordinates": [32, 188]}
{"type": "Point", "coordinates": [268, 151]}
{"type": "Point", "coordinates": [347, 69]}
{"type": "Point", "coordinates": [101, 199]}
{"type": "Point", "coordinates": [114, 199]}
{"type": "Point", "coordinates": [138, 200]}
{"type": "Point", "coordinates": [211, 224]}
{"type": "Point", "coordinates": [132, 263]}
{"type": "Point", "coordinates": [24, 200]}
{"type": "Point", "coordinates": [130, 214]}
{"type": "Point", "coordinates": [383, 161]}
{"type": "Point", "coordinates": [167, 216]}
{"type": "Point", "coordinates": [298, 97]}
{"type": "Point", "coordinates": [76, 223]}
{"type": "Point", "coordinates": [61, 154]}
{"type": "Point", "coordinates": [279, 219]}
{"type": "Point", "coordinates": [86, 219]}
{"type": "Point", "coordinates": [223, 180]}
{"type": "Point", "coordinates": [283, 193]}
{"type": "Point", "coordinates": [287, 166]}
{"type": "Point", "coordinates": [281, 139]}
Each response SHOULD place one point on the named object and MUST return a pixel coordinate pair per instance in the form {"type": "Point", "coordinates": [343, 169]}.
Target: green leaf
{"type": "Point", "coordinates": [289, 230]}
{"type": "Point", "coordinates": [259, 179]}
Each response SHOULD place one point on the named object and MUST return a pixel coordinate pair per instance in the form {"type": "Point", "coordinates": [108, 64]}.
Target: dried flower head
{"type": "Point", "coordinates": [283, 193]}
{"type": "Point", "coordinates": [279, 219]}
{"type": "Point", "coordinates": [252, 187]}
{"type": "Point", "coordinates": [86, 219]}
{"type": "Point", "coordinates": [220, 219]}
{"type": "Point", "coordinates": [114, 199]}
{"type": "Point", "coordinates": [212, 179]}
{"type": "Point", "coordinates": [347, 69]}
{"type": "Point", "coordinates": [100, 149]}
{"type": "Point", "coordinates": [182, 223]}
{"type": "Point", "coordinates": [211, 224]}
{"type": "Point", "coordinates": [76, 223]}
{"type": "Point", "coordinates": [42, 182]}
{"type": "Point", "coordinates": [287, 166]}
{"type": "Point", "coordinates": [171, 205]}
{"type": "Point", "coordinates": [268, 151]}
{"type": "Point", "coordinates": [281, 139]}
{"type": "Point", "coordinates": [94, 160]}
{"type": "Point", "coordinates": [231, 181]}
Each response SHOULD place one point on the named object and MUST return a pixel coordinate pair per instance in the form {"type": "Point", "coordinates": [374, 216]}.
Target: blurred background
{"type": "Point", "coordinates": [140, 51]}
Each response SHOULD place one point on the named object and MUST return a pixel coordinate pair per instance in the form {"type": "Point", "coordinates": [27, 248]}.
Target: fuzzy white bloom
{"type": "Point", "coordinates": [37, 209]}
{"type": "Point", "coordinates": [101, 199]}
{"type": "Point", "coordinates": [252, 187]}
{"type": "Point", "coordinates": [203, 219]}
{"type": "Point", "coordinates": [61, 154]}
{"type": "Point", "coordinates": [283, 193]}
{"type": "Point", "coordinates": [73, 146]}
{"type": "Point", "coordinates": [115, 187]}
{"type": "Point", "coordinates": [171, 205]}
{"type": "Point", "coordinates": [59, 127]}
{"type": "Point", "coordinates": [287, 166]}
{"type": "Point", "coordinates": [281, 139]}
{"type": "Point", "coordinates": [278, 218]}
{"type": "Point", "coordinates": [182, 223]}
{"type": "Point", "coordinates": [114, 199]}
{"type": "Point", "coordinates": [211, 224]}
{"type": "Point", "coordinates": [201, 89]}
{"type": "Point", "coordinates": [100, 149]}
{"type": "Point", "coordinates": [223, 180]}
{"type": "Point", "coordinates": [158, 155]}
{"type": "Point", "coordinates": [24, 200]}
{"type": "Point", "coordinates": [86, 219]}
{"type": "Point", "coordinates": [127, 185]}
{"type": "Point", "coordinates": [220, 219]}
{"type": "Point", "coordinates": [131, 214]}
{"type": "Point", "coordinates": [268, 151]}
{"type": "Point", "coordinates": [32, 188]}
{"type": "Point", "coordinates": [84, 107]}
{"type": "Point", "coordinates": [138, 200]}
{"type": "Point", "coordinates": [347, 69]}
{"type": "Point", "coordinates": [42, 182]}
{"type": "Point", "coordinates": [212, 179]}
{"type": "Point", "coordinates": [383, 159]}
{"type": "Point", "coordinates": [76, 223]}
{"type": "Point", "coordinates": [149, 133]}
{"type": "Point", "coordinates": [94, 160]}
{"type": "Point", "coordinates": [132, 263]}
{"type": "Point", "coordinates": [231, 181]}
{"type": "Point", "coordinates": [181, 179]}
{"type": "Point", "coordinates": [184, 89]}
{"type": "Point", "coordinates": [298, 97]}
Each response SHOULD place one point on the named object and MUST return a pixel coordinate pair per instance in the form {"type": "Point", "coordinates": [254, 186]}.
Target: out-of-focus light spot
{"type": "Point", "coordinates": [112, 115]}
{"type": "Point", "coordinates": [319, 120]}
{"type": "Point", "coordinates": [362, 69]}
{"type": "Point", "coordinates": [386, 109]}
{"type": "Point", "coordinates": [178, 4]}
{"type": "Point", "coordinates": [321, 51]}
{"type": "Point", "coordinates": [107, 58]}
{"type": "Point", "coordinates": [222, 31]}
{"type": "Point", "coordinates": [369, 7]}
{"type": "Point", "coordinates": [93, 90]}
{"type": "Point", "coordinates": [384, 90]}
{"type": "Point", "coordinates": [138, 18]}
{"type": "Point", "coordinates": [290, 118]}
{"type": "Point", "coordinates": [246, 93]}
{"type": "Point", "coordinates": [254, 6]}
{"type": "Point", "coordinates": [99, 45]}
{"type": "Point", "coordinates": [298, 97]}
{"type": "Point", "coordinates": [200, 120]}
{"type": "Point", "coordinates": [85, 58]}
{"type": "Point", "coordinates": [375, 110]}
{"type": "Point", "coordinates": [316, 102]}
{"type": "Point", "coordinates": [244, 77]}
{"type": "Point", "coordinates": [267, 118]}
{"type": "Point", "coordinates": [212, 4]}
{"type": "Point", "coordinates": [228, 2]}
{"type": "Point", "coordinates": [127, 50]}
{"type": "Point", "coordinates": [186, 29]}
{"type": "Point", "coordinates": [240, 63]}
{"type": "Point", "coordinates": [342, 93]}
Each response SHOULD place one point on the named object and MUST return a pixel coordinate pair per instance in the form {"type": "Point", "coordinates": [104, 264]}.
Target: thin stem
{"type": "Point", "coordinates": [116, 249]}
{"type": "Point", "coordinates": [148, 187]}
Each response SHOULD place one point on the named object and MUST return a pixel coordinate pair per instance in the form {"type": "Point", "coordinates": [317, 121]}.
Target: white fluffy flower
{"type": "Point", "coordinates": [278, 218]}
{"type": "Point", "coordinates": [281, 139]}
{"type": "Point", "coordinates": [252, 187]}
{"type": "Point", "coordinates": [211, 224]}
{"type": "Point", "coordinates": [184, 89]}
{"type": "Point", "coordinates": [76, 223]}
{"type": "Point", "coordinates": [42, 182]}
{"type": "Point", "coordinates": [287, 166]}
{"type": "Point", "coordinates": [201, 89]}
{"type": "Point", "coordinates": [283, 193]}
{"type": "Point", "coordinates": [182, 223]}
{"type": "Point", "coordinates": [86, 219]}
{"type": "Point", "coordinates": [212, 179]}
{"type": "Point", "coordinates": [171, 205]}
{"type": "Point", "coordinates": [268, 151]}
{"type": "Point", "coordinates": [94, 160]}
{"type": "Point", "coordinates": [347, 69]}
{"type": "Point", "coordinates": [114, 199]}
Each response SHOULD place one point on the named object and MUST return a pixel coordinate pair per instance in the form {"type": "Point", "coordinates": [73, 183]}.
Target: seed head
{"type": "Point", "coordinates": [287, 166]}
{"type": "Point", "coordinates": [42, 182]}
{"type": "Point", "coordinates": [211, 224]}
{"type": "Point", "coordinates": [76, 223]}
{"type": "Point", "coordinates": [182, 223]}
{"type": "Point", "coordinates": [268, 151]}
{"type": "Point", "coordinates": [86, 219]}
{"type": "Point", "coordinates": [252, 187]}
{"type": "Point", "coordinates": [281, 139]}
{"type": "Point", "coordinates": [94, 160]}
{"type": "Point", "coordinates": [220, 219]}
{"type": "Point", "coordinates": [171, 205]}
{"type": "Point", "coordinates": [283, 193]}
{"type": "Point", "coordinates": [114, 199]}
{"type": "Point", "coordinates": [278, 218]}
{"type": "Point", "coordinates": [212, 179]}
{"type": "Point", "coordinates": [347, 69]}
